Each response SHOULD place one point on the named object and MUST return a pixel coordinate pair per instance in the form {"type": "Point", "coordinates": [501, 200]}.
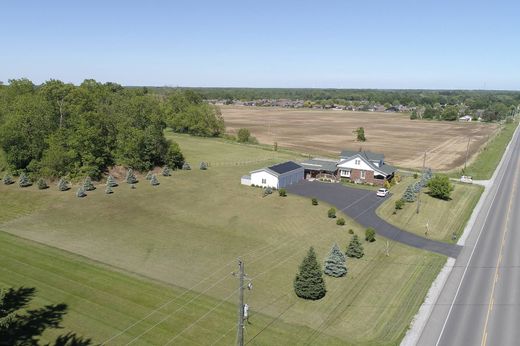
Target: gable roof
{"type": "Point", "coordinates": [285, 167]}
{"type": "Point", "coordinates": [384, 168]}
{"type": "Point", "coordinates": [320, 165]}
{"type": "Point", "coordinates": [370, 156]}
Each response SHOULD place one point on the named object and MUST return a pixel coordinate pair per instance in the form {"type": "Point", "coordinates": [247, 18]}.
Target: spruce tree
{"type": "Point", "coordinates": [148, 175]}
{"type": "Point", "coordinates": [130, 176]}
{"type": "Point", "coordinates": [166, 171]}
{"type": "Point", "coordinates": [417, 186]}
{"type": "Point", "coordinates": [335, 263]}
{"type": "Point", "coordinates": [111, 181]}
{"type": "Point", "coordinates": [409, 194]}
{"type": "Point", "coordinates": [203, 166]}
{"type": "Point", "coordinates": [81, 192]}
{"type": "Point", "coordinates": [355, 248]}
{"type": "Point", "coordinates": [154, 181]}
{"type": "Point", "coordinates": [309, 283]}
{"type": "Point", "coordinates": [24, 180]}
{"type": "Point", "coordinates": [87, 184]}
{"type": "Point", "coordinates": [186, 166]}
{"type": "Point", "coordinates": [108, 190]}
{"type": "Point", "coordinates": [63, 185]}
{"type": "Point", "coordinates": [8, 179]}
{"type": "Point", "coordinates": [42, 184]}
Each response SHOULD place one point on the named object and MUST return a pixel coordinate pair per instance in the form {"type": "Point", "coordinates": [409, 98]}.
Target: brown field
{"type": "Point", "coordinates": [326, 132]}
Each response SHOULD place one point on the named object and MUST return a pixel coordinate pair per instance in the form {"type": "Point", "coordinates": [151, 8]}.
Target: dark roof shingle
{"type": "Point", "coordinates": [285, 167]}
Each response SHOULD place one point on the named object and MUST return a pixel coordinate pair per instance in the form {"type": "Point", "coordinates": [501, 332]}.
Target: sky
{"type": "Point", "coordinates": [390, 44]}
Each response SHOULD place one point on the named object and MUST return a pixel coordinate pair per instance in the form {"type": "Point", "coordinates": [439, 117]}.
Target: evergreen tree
{"type": "Point", "coordinates": [186, 166]}
{"type": "Point", "coordinates": [111, 181]}
{"type": "Point", "coordinates": [148, 175]}
{"type": "Point", "coordinates": [309, 283]}
{"type": "Point", "coordinates": [108, 190]}
{"type": "Point", "coordinates": [166, 171]}
{"type": "Point", "coordinates": [87, 184]}
{"type": "Point", "coordinates": [24, 180]}
{"type": "Point", "coordinates": [130, 177]}
{"type": "Point", "coordinates": [81, 192]}
{"type": "Point", "coordinates": [8, 179]}
{"type": "Point", "coordinates": [154, 181]}
{"type": "Point", "coordinates": [417, 186]}
{"type": "Point", "coordinates": [409, 194]}
{"type": "Point", "coordinates": [63, 185]}
{"type": "Point", "coordinates": [335, 264]}
{"type": "Point", "coordinates": [203, 166]}
{"type": "Point", "coordinates": [42, 184]}
{"type": "Point", "coordinates": [355, 248]}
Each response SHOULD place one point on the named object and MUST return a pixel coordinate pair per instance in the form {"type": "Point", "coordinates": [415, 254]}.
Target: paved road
{"type": "Point", "coordinates": [361, 205]}
{"type": "Point", "coordinates": [480, 303]}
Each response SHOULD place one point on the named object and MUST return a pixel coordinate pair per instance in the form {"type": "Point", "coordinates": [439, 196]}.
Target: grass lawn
{"type": "Point", "coordinates": [443, 217]}
{"type": "Point", "coordinates": [488, 158]}
{"type": "Point", "coordinates": [187, 233]}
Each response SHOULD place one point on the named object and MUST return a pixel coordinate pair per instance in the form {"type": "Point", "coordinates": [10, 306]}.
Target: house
{"type": "Point", "coordinates": [364, 167]}
{"type": "Point", "coordinates": [277, 176]}
{"type": "Point", "coordinates": [314, 168]}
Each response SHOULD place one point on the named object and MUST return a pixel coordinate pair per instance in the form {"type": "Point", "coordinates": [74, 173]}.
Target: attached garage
{"type": "Point", "coordinates": [278, 176]}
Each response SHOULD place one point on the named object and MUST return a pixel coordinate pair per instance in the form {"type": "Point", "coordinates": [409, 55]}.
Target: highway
{"type": "Point", "coordinates": [480, 302]}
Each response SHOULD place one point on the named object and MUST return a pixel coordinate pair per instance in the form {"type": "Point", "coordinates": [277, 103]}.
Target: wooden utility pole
{"type": "Point", "coordinates": [467, 152]}
{"type": "Point", "coordinates": [419, 192]}
{"type": "Point", "coordinates": [240, 330]}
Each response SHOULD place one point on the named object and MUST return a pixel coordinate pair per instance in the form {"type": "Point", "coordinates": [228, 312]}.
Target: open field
{"type": "Point", "coordinates": [187, 234]}
{"type": "Point", "coordinates": [442, 217]}
{"type": "Point", "coordinates": [403, 141]}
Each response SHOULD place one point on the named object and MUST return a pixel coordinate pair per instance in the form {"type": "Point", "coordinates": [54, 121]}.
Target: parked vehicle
{"type": "Point", "coordinates": [382, 192]}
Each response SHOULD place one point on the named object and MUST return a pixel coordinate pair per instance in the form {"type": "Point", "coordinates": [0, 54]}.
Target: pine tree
{"type": "Point", "coordinates": [166, 171]}
{"type": "Point", "coordinates": [186, 166]}
{"type": "Point", "coordinates": [203, 166]}
{"type": "Point", "coordinates": [130, 177]}
{"type": "Point", "coordinates": [81, 192]}
{"type": "Point", "coordinates": [24, 180]}
{"type": "Point", "coordinates": [63, 185]}
{"type": "Point", "coordinates": [335, 264]}
{"type": "Point", "coordinates": [108, 190]}
{"type": "Point", "coordinates": [148, 175]}
{"type": "Point", "coordinates": [42, 184]}
{"type": "Point", "coordinates": [87, 184]}
{"type": "Point", "coordinates": [355, 248]}
{"type": "Point", "coordinates": [409, 194]}
{"type": "Point", "coordinates": [111, 181]}
{"type": "Point", "coordinates": [154, 181]}
{"type": "Point", "coordinates": [8, 179]}
{"type": "Point", "coordinates": [309, 283]}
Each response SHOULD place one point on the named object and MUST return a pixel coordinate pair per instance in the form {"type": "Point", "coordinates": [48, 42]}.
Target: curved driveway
{"type": "Point", "coordinates": [361, 205]}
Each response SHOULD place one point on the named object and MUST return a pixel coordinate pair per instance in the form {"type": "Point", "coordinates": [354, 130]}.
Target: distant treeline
{"type": "Point", "coordinates": [58, 129]}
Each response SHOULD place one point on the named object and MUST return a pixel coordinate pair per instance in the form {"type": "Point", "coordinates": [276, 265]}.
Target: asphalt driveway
{"type": "Point", "coordinates": [361, 205]}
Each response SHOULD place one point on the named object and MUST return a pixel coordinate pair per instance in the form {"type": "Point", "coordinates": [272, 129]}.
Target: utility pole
{"type": "Point", "coordinates": [467, 152]}
{"type": "Point", "coordinates": [419, 193]}
{"type": "Point", "coordinates": [240, 330]}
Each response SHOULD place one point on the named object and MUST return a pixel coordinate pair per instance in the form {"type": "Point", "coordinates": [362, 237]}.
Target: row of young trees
{"type": "Point", "coordinates": [57, 129]}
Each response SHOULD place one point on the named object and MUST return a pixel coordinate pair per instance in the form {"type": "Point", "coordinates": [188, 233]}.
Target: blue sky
{"type": "Point", "coordinates": [336, 44]}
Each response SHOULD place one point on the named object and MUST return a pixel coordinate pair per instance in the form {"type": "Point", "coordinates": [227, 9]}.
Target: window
{"type": "Point", "coordinates": [362, 175]}
{"type": "Point", "coordinates": [357, 162]}
{"type": "Point", "coordinates": [345, 173]}
{"type": "Point", "coordinates": [264, 181]}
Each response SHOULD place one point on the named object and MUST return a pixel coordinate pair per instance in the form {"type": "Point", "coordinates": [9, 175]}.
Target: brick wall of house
{"type": "Point", "coordinates": [355, 174]}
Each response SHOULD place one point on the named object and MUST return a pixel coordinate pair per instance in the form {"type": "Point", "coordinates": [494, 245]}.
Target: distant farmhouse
{"type": "Point", "coordinates": [361, 167]}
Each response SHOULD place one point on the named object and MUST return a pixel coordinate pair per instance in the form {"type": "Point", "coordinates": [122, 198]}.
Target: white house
{"type": "Point", "coordinates": [365, 167]}
{"type": "Point", "coordinates": [277, 176]}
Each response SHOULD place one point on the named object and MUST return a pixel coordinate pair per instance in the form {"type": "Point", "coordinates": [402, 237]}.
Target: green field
{"type": "Point", "coordinates": [153, 244]}
{"type": "Point", "coordinates": [442, 217]}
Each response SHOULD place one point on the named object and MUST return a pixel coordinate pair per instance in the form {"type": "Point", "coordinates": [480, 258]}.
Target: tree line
{"type": "Point", "coordinates": [57, 129]}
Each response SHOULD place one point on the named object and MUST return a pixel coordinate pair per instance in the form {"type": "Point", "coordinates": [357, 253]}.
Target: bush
{"type": "Point", "coordinates": [440, 187]}
{"type": "Point", "coordinates": [130, 177]}
{"type": "Point", "coordinates": [309, 283]}
{"type": "Point", "coordinates": [154, 181]}
{"type": "Point", "coordinates": [268, 190]}
{"type": "Point", "coordinates": [148, 175]}
{"type": "Point", "coordinates": [282, 192]}
{"type": "Point", "coordinates": [370, 235]}
{"type": "Point", "coordinates": [63, 185]}
{"type": "Point", "coordinates": [415, 175]}
{"type": "Point", "coordinates": [186, 166]}
{"type": "Point", "coordinates": [409, 194]}
{"type": "Point", "coordinates": [174, 158]}
{"type": "Point", "coordinates": [386, 185]}
{"type": "Point", "coordinates": [314, 201]}
{"type": "Point", "coordinates": [340, 222]}
{"type": "Point", "coordinates": [350, 231]}
{"type": "Point", "coordinates": [203, 166]}
{"type": "Point", "coordinates": [108, 190]}
{"type": "Point", "coordinates": [165, 172]}
{"type": "Point", "coordinates": [243, 135]}
{"type": "Point", "coordinates": [335, 263]}
{"type": "Point", "coordinates": [24, 181]}
{"type": "Point", "coordinates": [331, 213]}
{"type": "Point", "coordinates": [399, 204]}
{"type": "Point", "coordinates": [355, 248]}
{"type": "Point", "coordinates": [87, 184]}
{"type": "Point", "coordinates": [81, 192]}
{"type": "Point", "coordinates": [111, 181]}
{"type": "Point", "coordinates": [42, 184]}
{"type": "Point", "coordinates": [8, 179]}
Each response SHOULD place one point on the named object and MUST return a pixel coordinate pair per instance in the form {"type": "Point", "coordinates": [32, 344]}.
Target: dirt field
{"type": "Point", "coordinates": [403, 141]}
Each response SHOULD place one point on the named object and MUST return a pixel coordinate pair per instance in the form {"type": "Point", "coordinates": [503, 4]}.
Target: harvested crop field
{"type": "Point", "coordinates": [326, 132]}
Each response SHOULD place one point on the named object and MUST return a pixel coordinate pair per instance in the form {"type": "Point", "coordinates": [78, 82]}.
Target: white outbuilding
{"type": "Point", "coordinates": [277, 176]}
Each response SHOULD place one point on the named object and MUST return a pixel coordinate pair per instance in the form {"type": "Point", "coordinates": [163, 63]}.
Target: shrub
{"type": "Point", "coordinates": [111, 181]}
{"type": "Point", "coordinates": [314, 201]}
{"type": "Point", "coordinates": [174, 158]}
{"type": "Point", "coordinates": [350, 231]}
{"type": "Point", "coordinates": [409, 194]}
{"type": "Point", "coordinates": [24, 181]}
{"type": "Point", "coordinates": [165, 172]}
{"type": "Point", "coordinates": [340, 222]}
{"type": "Point", "coordinates": [440, 187]}
{"type": "Point", "coordinates": [81, 192]}
{"type": "Point", "coordinates": [243, 135]}
{"type": "Point", "coordinates": [415, 175]}
{"type": "Point", "coordinates": [355, 248]}
{"type": "Point", "coordinates": [282, 192]}
{"type": "Point", "coordinates": [63, 185]}
{"type": "Point", "coordinates": [154, 181]}
{"type": "Point", "coordinates": [8, 179]}
{"type": "Point", "coordinates": [130, 177]}
{"type": "Point", "coordinates": [42, 184]}
{"type": "Point", "coordinates": [309, 283]}
{"type": "Point", "coordinates": [335, 263]}
{"type": "Point", "coordinates": [87, 184]}
{"type": "Point", "coordinates": [108, 190]}
{"type": "Point", "coordinates": [386, 185]}
{"type": "Point", "coordinates": [148, 175]}
{"type": "Point", "coordinates": [203, 166]}
{"type": "Point", "coordinates": [186, 166]}
{"type": "Point", "coordinates": [360, 134]}
{"type": "Point", "coordinates": [399, 204]}
{"type": "Point", "coordinates": [370, 235]}
{"type": "Point", "coordinates": [331, 213]}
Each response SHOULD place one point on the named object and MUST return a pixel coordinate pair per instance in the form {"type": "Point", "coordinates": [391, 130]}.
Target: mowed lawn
{"type": "Point", "coordinates": [187, 234]}
{"type": "Point", "coordinates": [439, 218]}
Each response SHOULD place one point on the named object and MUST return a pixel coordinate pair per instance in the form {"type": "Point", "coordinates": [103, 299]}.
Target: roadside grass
{"type": "Point", "coordinates": [444, 218]}
{"type": "Point", "coordinates": [484, 165]}
{"type": "Point", "coordinates": [187, 234]}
